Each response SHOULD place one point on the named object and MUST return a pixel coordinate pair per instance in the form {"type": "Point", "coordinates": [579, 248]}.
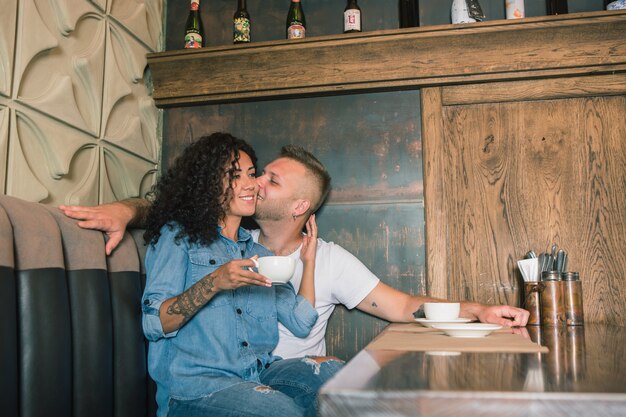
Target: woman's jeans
{"type": "Point", "coordinates": [288, 388]}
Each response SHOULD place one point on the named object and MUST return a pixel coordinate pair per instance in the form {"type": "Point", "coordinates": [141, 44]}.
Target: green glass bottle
{"type": "Point", "coordinates": [241, 24]}
{"type": "Point", "coordinates": [194, 32]}
{"type": "Point", "coordinates": [296, 23]}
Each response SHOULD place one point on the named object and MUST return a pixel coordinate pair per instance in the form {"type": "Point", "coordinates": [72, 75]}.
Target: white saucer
{"type": "Point", "coordinates": [468, 329]}
{"type": "Point", "coordinates": [431, 323]}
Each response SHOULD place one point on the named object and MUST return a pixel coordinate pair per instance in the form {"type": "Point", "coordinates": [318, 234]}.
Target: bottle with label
{"type": "Point", "coordinates": [352, 17]}
{"type": "Point", "coordinates": [296, 23]}
{"type": "Point", "coordinates": [514, 9]}
{"type": "Point", "coordinates": [615, 5]}
{"type": "Point", "coordinates": [459, 12]}
{"type": "Point", "coordinates": [194, 32]}
{"type": "Point", "coordinates": [241, 23]}
{"type": "Point", "coordinates": [408, 11]}
{"type": "Point", "coordinates": [556, 7]}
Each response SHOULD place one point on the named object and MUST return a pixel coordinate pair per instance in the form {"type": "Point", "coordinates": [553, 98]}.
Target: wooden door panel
{"type": "Point", "coordinates": [522, 175]}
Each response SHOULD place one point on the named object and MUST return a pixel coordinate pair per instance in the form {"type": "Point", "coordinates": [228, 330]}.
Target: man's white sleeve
{"type": "Point", "coordinates": [352, 280]}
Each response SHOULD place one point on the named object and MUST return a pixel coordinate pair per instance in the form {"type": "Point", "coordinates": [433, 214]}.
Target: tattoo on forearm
{"type": "Point", "coordinates": [191, 301]}
{"type": "Point", "coordinates": [419, 313]}
{"type": "Point", "coordinates": [374, 305]}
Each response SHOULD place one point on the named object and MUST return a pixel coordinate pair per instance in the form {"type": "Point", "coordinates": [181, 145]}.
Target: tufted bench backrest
{"type": "Point", "coordinates": [70, 319]}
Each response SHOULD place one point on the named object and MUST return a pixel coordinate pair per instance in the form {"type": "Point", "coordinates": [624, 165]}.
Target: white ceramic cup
{"type": "Point", "coordinates": [442, 311]}
{"type": "Point", "coordinates": [279, 269]}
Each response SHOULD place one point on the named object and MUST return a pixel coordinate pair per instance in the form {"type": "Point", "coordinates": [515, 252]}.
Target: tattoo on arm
{"type": "Point", "coordinates": [419, 313]}
{"type": "Point", "coordinates": [191, 301]}
{"type": "Point", "coordinates": [374, 305]}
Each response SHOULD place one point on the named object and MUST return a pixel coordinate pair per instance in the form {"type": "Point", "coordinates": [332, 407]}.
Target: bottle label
{"type": "Point", "coordinates": [241, 30]}
{"type": "Point", "coordinates": [352, 20]}
{"type": "Point", "coordinates": [193, 40]}
{"type": "Point", "coordinates": [195, 4]}
{"type": "Point", "coordinates": [295, 32]}
{"type": "Point", "coordinates": [514, 9]}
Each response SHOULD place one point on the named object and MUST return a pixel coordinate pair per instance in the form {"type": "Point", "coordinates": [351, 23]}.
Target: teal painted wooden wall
{"type": "Point", "coordinates": [371, 143]}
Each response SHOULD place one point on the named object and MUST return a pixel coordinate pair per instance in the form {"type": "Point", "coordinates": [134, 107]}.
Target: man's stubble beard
{"type": "Point", "coordinates": [271, 210]}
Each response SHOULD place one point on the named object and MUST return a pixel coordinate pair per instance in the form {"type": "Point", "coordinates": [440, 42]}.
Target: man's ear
{"type": "Point", "coordinates": [302, 205]}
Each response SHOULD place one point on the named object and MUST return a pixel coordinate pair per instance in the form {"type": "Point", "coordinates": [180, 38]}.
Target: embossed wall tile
{"type": "Point", "coordinates": [123, 174]}
{"type": "Point", "coordinates": [66, 14]}
{"type": "Point", "coordinates": [77, 124]}
{"type": "Point", "coordinates": [49, 149]}
{"type": "Point", "coordinates": [144, 19]}
{"type": "Point", "coordinates": [128, 135]}
{"type": "Point", "coordinates": [67, 82]}
{"type": "Point", "coordinates": [30, 42]}
{"type": "Point", "coordinates": [100, 4]}
{"type": "Point", "coordinates": [21, 181]}
{"type": "Point", "coordinates": [4, 143]}
{"type": "Point", "coordinates": [7, 44]}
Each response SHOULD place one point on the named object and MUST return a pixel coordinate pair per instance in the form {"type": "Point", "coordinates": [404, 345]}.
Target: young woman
{"type": "Point", "coordinates": [211, 321]}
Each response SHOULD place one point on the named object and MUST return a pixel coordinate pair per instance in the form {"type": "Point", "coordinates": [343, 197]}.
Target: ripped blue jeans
{"type": "Point", "coordinates": [288, 388]}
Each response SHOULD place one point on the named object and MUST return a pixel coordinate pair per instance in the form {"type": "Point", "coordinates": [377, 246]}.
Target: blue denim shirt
{"type": "Point", "coordinates": [229, 340]}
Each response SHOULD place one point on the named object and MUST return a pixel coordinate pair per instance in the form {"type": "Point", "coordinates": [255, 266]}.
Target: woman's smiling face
{"type": "Point", "coordinates": [244, 188]}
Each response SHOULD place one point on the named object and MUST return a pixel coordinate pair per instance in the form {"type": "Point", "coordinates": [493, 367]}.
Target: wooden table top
{"type": "Point", "coordinates": [583, 374]}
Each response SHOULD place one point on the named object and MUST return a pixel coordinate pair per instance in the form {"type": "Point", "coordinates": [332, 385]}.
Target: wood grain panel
{"type": "Point", "coordinates": [393, 59]}
{"type": "Point", "coordinates": [524, 174]}
{"type": "Point", "coordinates": [434, 198]}
{"type": "Point", "coordinates": [496, 92]}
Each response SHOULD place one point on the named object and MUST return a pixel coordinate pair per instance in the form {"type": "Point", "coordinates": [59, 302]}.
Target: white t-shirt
{"type": "Point", "coordinates": [340, 278]}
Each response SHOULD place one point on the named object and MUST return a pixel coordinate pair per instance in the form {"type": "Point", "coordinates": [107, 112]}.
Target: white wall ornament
{"type": "Point", "coordinates": [77, 124]}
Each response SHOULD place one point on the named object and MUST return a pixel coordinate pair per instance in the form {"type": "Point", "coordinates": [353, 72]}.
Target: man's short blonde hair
{"type": "Point", "coordinates": [315, 168]}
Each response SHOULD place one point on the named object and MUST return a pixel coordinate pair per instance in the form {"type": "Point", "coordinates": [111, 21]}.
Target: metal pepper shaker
{"type": "Point", "coordinates": [552, 300]}
{"type": "Point", "coordinates": [573, 298]}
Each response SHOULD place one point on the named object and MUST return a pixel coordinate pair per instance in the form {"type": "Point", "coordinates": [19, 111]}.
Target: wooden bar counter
{"type": "Point", "coordinates": [582, 374]}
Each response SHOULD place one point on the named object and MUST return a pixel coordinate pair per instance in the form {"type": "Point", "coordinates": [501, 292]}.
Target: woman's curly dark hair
{"type": "Point", "coordinates": [192, 193]}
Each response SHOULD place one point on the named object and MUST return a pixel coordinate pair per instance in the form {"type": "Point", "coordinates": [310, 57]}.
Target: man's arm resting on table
{"type": "Point", "coordinates": [392, 305]}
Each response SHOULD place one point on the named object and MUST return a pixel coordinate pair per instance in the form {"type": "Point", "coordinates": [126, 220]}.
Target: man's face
{"type": "Point", "coordinates": [278, 189]}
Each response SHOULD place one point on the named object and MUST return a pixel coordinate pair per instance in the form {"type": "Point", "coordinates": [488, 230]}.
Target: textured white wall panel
{"type": "Point", "coordinates": [77, 124]}
{"type": "Point", "coordinates": [7, 44]}
{"type": "Point", "coordinates": [4, 143]}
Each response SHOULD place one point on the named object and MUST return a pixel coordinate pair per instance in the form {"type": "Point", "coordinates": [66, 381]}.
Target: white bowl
{"type": "Point", "coordinates": [468, 329]}
{"type": "Point", "coordinates": [442, 311]}
{"type": "Point", "coordinates": [279, 269]}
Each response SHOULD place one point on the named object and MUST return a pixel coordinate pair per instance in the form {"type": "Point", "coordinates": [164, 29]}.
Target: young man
{"type": "Point", "coordinates": [291, 188]}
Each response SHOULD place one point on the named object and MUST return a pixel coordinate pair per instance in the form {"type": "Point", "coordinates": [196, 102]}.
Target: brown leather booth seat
{"type": "Point", "coordinates": [71, 343]}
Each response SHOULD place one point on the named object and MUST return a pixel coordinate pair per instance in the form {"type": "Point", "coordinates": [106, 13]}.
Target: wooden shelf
{"type": "Point", "coordinates": [554, 46]}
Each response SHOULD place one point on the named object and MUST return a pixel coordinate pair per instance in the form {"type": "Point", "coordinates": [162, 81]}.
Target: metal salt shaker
{"type": "Point", "coordinates": [552, 300]}
{"type": "Point", "coordinates": [573, 298]}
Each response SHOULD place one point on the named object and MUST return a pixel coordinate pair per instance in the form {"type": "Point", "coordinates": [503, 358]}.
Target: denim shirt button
{"type": "Point", "coordinates": [212, 261]}
{"type": "Point", "coordinates": [239, 311]}
{"type": "Point", "coordinates": [267, 365]}
{"type": "Point", "coordinates": [244, 344]}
